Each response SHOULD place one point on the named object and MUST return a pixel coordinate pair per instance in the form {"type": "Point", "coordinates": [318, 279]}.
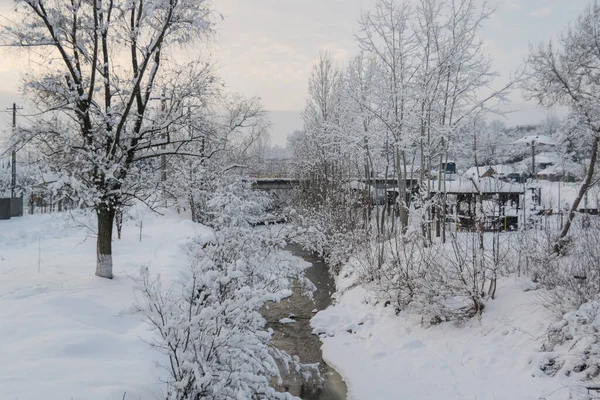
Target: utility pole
{"type": "Point", "coordinates": [13, 162]}
{"type": "Point", "coordinates": [533, 158]}
{"type": "Point", "coordinates": [163, 157]}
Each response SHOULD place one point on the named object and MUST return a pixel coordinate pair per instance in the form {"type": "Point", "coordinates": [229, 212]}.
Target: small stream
{"type": "Point", "coordinates": [297, 338]}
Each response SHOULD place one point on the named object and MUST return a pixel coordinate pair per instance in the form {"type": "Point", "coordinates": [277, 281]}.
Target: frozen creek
{"type": "Point", "coordinates": [297, 338]}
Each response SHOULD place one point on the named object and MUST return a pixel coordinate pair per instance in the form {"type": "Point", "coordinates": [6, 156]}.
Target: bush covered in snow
{"type": "Point", "coordinates": [570, 283]}
{"type": "Point", "coordinates": [571, 278]}
{"type": "Point", "coordinates": [333, 225]}
{"type": "Point", "coordinates": [440, 281]}
{"type": "Point", "coordinates": [209, 325]}
{"type": "Point", "coordinates": [573, 345]}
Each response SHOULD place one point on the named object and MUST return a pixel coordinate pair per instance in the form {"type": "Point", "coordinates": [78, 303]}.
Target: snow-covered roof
{"type": "Point", "coordinates": [460, 185]}
{"type": "Point", "coordinates": [476, 172]}
{"type": "Point", "coordinates": [545, 157]}
{"type": "Point", "coordinates": [485, 185]}
{"type": "Point", "coordinates": [508, 169]}
{"type": "Point", "coordinates": [498, 169]}
{"type": "Point", "coordinates": [564, 168]}
{"type": "Point", "coordinates": [552, 170]}
{"type": "Point", "coordinates": [538, 139]}
{"type": "Point", "coordinates": [493, 185]}
{"type": "Point", "coordinates": [560, 196]}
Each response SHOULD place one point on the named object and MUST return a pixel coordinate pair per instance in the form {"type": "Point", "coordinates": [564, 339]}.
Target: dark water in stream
{"type": "Point", "coordinates": [297, 338]}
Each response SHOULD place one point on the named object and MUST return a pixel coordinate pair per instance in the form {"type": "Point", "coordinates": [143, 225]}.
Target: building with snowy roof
{"type": "Point", "coordinates": [500, 202]}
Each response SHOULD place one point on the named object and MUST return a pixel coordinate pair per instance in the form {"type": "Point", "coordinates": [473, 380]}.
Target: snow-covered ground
{"type": "Point", "coordinates": [66, 334]}
{"type": "Point", "coordinates": [559, 196]}
{"type": "Point", "coordinates": [387, 357]}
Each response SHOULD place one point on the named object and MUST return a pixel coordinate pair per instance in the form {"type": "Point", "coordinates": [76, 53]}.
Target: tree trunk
{"type": "Point", "coordinates": [582, 191]}
{"type": "Point", "coordinates": [119, 222]}
{"type": "Point", "coordinates": [193, 208]}
{"type": "Point", "coordinates": [402, 191]}
{"type": "Point", "coordinates": [106, 217]}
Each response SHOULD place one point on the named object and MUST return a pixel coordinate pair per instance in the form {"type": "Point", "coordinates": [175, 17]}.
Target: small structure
{"type": "Point", "coordinates": [5, 208]}
{"type": "Point", "coordinates": [507, 172]}
{"type": "Point", "coordinates": [449, 167]}
{"type": "Point", "coordinates": [558, 197]}
{"type": "Point", "coordinates": [516, 172]}
{"type": "Point", "coordinates": [499, 202]}
{"type": "Point", "coordinates": [543, 160]}
{"type": "Point", "coordinates": [558, 173]}
{"type": "Point", "coordinates": [480, 172]}
{"type": "Point", "coordinates": [16, 207]}
{"type": "Point", "coordinates": [11, 207]}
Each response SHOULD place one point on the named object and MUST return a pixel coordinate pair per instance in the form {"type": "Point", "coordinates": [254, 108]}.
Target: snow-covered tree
{"type": "Point", "coordinates": [112, 100]}
{"type": "Point", "coordinates": [386, 35]}
{"type": "Point", "coordinates": [319, 155]}
{"type": "Point", "coordinates": [413, 98]}
{"type": "Point", "coordinates": [233, 133]}
{"type": "Point", "coordinates": [209, 324]}
{"type": "Point", "coordinates": [431, 69]}
{"type": "Point", "coordinates": [565, 73]}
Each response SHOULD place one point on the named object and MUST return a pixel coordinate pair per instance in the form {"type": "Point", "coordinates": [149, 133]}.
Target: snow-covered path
{"type": "Point", "coordinates": [64, 333]}
{"type": "Point", "coordinates": [387, 357]}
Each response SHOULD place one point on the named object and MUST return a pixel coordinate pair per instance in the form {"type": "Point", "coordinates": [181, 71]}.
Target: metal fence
{"type": "Point", "coordinates": [33, 204]}
{"type": "Point", "coordinates": [38, 203]}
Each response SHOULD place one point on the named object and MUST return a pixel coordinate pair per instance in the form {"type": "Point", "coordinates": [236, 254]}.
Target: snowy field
{"type": "Point", "coordinates": [68, 335]}
{"type": "Point", "coordinates": [387, 357]}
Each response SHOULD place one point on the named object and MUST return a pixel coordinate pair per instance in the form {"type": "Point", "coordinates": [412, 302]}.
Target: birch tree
{"type": "Point", "coordinates": [463, 71]}
{"type": "Point", "coordinates": [386, 34]}
{"type": "Point", "coordinates": [364, 131]}
{"type": "Point", "coordinates": [102, 97]}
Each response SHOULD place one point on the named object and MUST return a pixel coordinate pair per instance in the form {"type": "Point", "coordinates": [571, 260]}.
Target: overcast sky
{"type": "Point", "coordinates": [266, 48]}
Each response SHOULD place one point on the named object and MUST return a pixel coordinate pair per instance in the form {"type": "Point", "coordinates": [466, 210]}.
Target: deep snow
{"type": "Point", "coordinates": [66, 334]}
{"type": "Point", "coordinates": [387, 357]}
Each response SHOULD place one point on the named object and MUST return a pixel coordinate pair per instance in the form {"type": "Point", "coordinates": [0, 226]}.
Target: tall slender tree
{"type": "Point", "coordinates": [387, 35]}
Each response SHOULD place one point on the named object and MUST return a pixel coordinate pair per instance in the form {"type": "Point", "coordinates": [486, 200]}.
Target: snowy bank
{"type": "Point", "coordinates": [387, 357]}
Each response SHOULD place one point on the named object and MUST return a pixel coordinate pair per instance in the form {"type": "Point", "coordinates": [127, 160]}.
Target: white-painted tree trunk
{"type": "Point", "coordinates": [104, 266]}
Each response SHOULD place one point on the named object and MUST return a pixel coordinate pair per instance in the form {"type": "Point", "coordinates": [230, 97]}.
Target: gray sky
{"type": "Point", "coordinates": [266, 48]}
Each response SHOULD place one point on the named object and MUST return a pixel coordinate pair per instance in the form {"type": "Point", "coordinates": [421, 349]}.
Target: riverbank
{"type": "Point", "coordinates": [385, 356]}
{"type": "Point", "coordinates": [70, 335]}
